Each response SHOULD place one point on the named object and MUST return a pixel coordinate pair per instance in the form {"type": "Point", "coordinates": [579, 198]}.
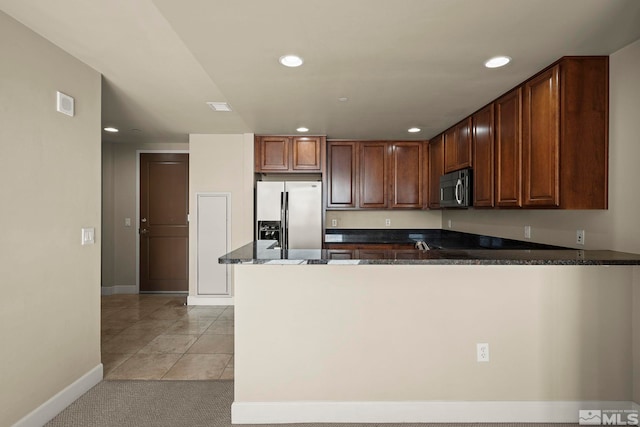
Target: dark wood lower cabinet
{"type": "Point", "coordinates": [372, 251]}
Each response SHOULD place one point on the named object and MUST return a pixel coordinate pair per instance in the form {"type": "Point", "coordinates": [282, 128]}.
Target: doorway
{"type": "Point", "coordinates": [163, 223]}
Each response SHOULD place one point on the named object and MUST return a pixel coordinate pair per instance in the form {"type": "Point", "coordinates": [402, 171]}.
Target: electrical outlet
{"type": "Point", "coordinates": [482, 350]}
{"type": "Point", "coordinates": [334, 222]}
{"type": "Point", "coordinates": [449, 223]}
{"type": "Point", "coordinates": [387, 222]}
{"type": "Point", "coordinates": [580, 237]}
{"type": "Point", "coordinates": [527, 231]}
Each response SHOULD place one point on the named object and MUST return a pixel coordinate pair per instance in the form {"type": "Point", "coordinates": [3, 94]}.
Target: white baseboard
{"type": "Point", "coordinates": [118, 289]}
{"type": "Point", "coordinates": [200, 300]}
{"type": "Point", "coordinates": [415, 412]}
{"type": "Point", "coordinates": [52, 407]}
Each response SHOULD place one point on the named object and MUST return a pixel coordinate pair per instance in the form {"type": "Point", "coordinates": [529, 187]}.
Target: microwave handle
{"type": "Point", "coordinates": [458, 192]}
{"type": "Point", "coordinates": [441, 194]}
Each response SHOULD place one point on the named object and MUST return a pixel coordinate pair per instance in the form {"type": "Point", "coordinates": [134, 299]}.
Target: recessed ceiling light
{"type": "Point", "coordinates": [111, 129]}
{"type": "Point", "coordinates": [497, 61]}
{"type": "Point", "coordinates": [302, 129]}
{"type": "Point", "coordinates": [219, 106]}
{"type": "Point", "coordinates": [291, 60]}
{"type": "Point", "coordinates": [414, 130]}
{"type": "Point", "coordinates": [343, 99]}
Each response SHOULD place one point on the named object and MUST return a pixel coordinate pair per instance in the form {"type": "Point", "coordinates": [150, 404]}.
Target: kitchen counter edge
{"type": "Point", "coordinates": [262, 252]}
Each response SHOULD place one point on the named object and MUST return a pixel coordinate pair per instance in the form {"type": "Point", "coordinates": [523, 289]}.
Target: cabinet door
{"type": "Point", "coordinates": [406, 175]}
{"type": "Point", "coordinates": [508, 134]}
{"type": "Point", "coordinates": [541, 140]}
{"type": "Point", "coordinates": [436, 168]}
{"type": "Point", "coordinates": [374, 167]}
{"type": "Point", "coordinates": [483, 157]}
{"type": "Point", "coordinates": [342, 253]}
{"type": "Point", "coordinates": [273, 153]}
{"type": "Point", "coordinates": [457, 146]}
{"type": "Point", "coordinates": [372, 254]}
{"type": "Point", "coordinates": [306, 153]}
{"type": "Point", "coordinates": [341, 175]}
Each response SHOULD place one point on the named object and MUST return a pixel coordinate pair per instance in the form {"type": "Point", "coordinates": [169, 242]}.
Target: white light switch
{"type": "Point", "coordinates": [88, 236]}
{"type": "Point", "coordinates": [127, 222]}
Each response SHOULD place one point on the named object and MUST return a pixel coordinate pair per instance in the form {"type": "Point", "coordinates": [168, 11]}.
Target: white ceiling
{"type": "Point", "coordinates": [400, 63]}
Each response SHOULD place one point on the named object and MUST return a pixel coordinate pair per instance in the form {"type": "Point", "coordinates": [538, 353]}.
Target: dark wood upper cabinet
{"type": "Point", "coordinates": [436, 169]}
{"type": "Point", "coordinates": [376, 175]}
{"type": "Point", "coordinates": [508, 149]}
{"type": "Point", "coordinates": [541, 140]}
{"type": "Point", "coordinates": [565, 140]}
{"type": "Point", "coordinates": [584, 138]}
{"type": "Point", "coordinates": [483, 144]}
{"type": "Point", "coordinates": [272, 153]}
{"type": "Point", "coordinates": [289, 154]}
{"type": "Point", "coordinates": [306, 153]}
{"type": "Point", "coordinates": [457, 146]}
{"type": "Point", "coordinates": [406, 174]}
{"type": "Point", "coordinates": [341, 174]}
{"type": "Point", "coordinates": [374, 189]}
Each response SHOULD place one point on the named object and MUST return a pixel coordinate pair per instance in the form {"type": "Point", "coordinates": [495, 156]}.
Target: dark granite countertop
{"type": "Point", "coordinates": [435, 238]}
{"type": "Point", "coordinates": [260, 252]}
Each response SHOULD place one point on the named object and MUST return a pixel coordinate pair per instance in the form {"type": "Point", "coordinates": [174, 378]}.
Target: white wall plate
{"type": "Point", "coordinates": [64, 104]}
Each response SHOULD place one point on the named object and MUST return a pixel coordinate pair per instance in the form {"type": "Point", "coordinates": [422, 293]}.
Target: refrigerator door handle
{"type": "Point", "coordinates": [283, 215]}
{"type": "Point", "coordinates": [286, 220]}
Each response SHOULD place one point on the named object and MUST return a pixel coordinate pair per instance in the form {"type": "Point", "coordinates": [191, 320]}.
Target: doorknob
{"type": "Point", "coordinates": [143, 231]}
{"type": "Point", "coordinates": [143, 220]}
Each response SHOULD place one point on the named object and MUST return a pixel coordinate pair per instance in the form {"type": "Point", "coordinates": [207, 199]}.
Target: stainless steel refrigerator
{"type": "Point", "coordinates": [290, 212]}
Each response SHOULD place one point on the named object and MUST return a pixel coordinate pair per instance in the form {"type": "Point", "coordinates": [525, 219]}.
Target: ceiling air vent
{"type": "Point", "coordinates": [219, 106]}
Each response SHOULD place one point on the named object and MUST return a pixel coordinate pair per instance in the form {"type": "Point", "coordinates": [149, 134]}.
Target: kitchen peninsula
{"type": "Point", "coordinates": [394, 339]}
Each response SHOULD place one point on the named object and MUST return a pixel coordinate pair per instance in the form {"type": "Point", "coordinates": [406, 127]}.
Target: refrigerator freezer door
{"type": "Point", "coordinates": [305, 215]}
{"type": "Point", "coordinates": [268, 200]}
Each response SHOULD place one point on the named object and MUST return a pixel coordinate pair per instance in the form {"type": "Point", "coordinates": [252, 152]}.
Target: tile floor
{"type": "Point", "coordinates": [153, 337]}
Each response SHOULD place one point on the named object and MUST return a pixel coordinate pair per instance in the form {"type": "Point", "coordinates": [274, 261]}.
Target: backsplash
{"type": "Point", "coordinates": [377, 219]}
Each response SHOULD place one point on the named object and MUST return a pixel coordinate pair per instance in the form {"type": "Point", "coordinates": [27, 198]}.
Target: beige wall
{"type": "Point", "coordinates": [50, 174]}
{"type": "Point", "coordinates": [119, 174]}
{"type": "Point", "coordinates": [409, 333]}
{"type": "Point", "coordinates": [221, 163]}
{"type": "Point", "coordinates": [376, 219]}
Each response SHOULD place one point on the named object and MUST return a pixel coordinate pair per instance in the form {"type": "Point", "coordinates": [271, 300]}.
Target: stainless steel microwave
{"type": "Point", "coordinates": [455, 189]}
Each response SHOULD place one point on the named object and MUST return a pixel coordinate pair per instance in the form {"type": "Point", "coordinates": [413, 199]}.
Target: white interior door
{"type": "Point", "coordinates": [214, 238]}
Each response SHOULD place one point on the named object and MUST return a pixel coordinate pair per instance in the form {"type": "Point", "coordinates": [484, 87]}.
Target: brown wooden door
{"type": "Point", "coordinates": [508, 145]}
{"type": "Point", "coordinates": [374, 165]}
{"type": "Point", "coordinates": [406, 175]}
{"type": "Point", "coordinates": [541, 140]}
{"type": "Point", "coordinates": [341, 174]}
{"type": "Point", "coordinates": [436, 169]}
{"type": "Point", "coordinates": [306, 153]}
{"type": "Point", "coordinates": [483, 157]}
{"type": "Point", "coordinates": [272, 153]}
{"type": "Point", "coordinates": [164, 230]}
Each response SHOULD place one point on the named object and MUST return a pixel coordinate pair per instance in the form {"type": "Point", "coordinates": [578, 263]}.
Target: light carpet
{"type": "Point", "coordinates": [177, 404]}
